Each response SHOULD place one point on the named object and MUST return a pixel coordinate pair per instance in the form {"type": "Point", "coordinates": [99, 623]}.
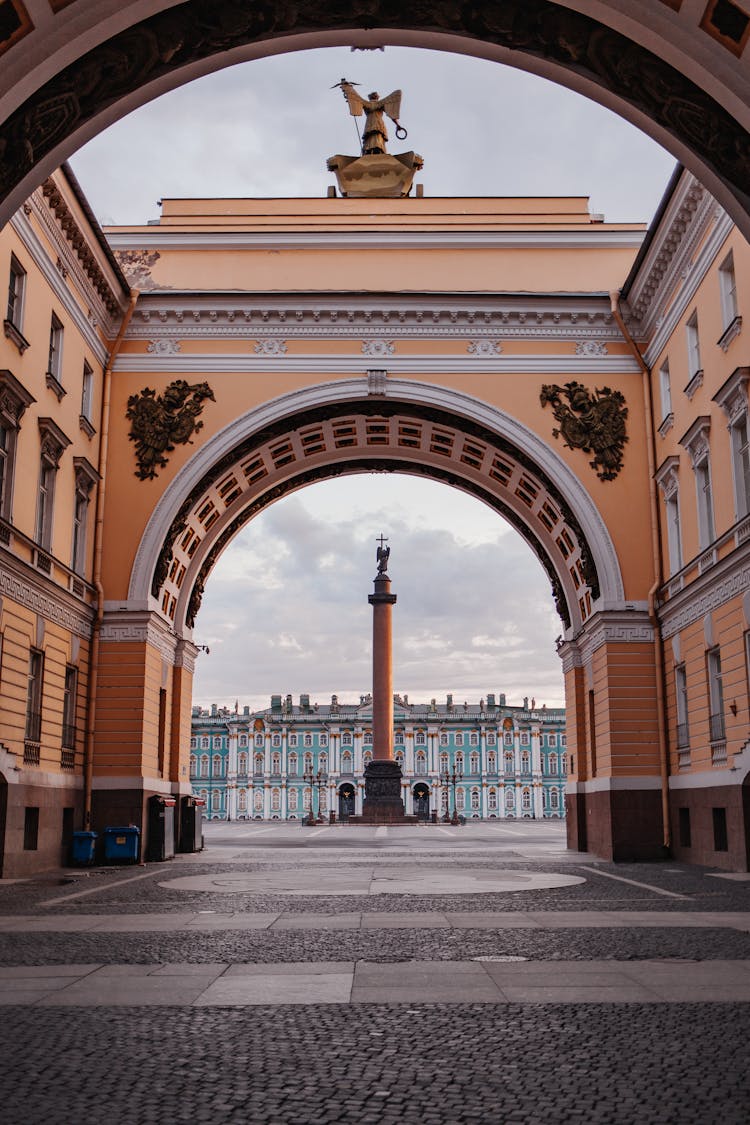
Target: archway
{"type": "Point", "coordinates": [78, 72]}
{"type": "Point", "coordinates": [421, 795]}
{"type": "Point", "coordinates": [346, 801]}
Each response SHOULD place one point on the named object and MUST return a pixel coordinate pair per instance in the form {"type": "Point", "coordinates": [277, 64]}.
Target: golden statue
{"type": "Point", "coordinates": [375, 108]}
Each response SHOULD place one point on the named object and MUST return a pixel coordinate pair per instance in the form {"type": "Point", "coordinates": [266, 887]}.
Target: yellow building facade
{"type": "Point", "coordinates": [482, 342]}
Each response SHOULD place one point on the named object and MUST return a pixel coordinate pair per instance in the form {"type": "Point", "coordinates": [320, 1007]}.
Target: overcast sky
{"type": "Point", "coordinates": [286, 607]}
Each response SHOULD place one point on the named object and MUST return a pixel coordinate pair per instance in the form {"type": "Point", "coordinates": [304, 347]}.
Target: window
{"type": "Point", "coordinates": [215, 801]}
{"type": "Point", "coordinates": [443, 739]}
{"type": "Point", "coordinates": [741, 466]}
{"type": "Point", "coordinates": [323, 762]}
{"type": "Point", "coordinates": [275, 800]}
{"type": "Point", "coordinates": [276, 764]}
{"type": "Point", "coordinates": [242, 800]}
{"type": "Point", "coordinates": [553, 766]}
{"type": "Point", "coordinates": [367, 737]}
{"type": "Point", "coordinates": [217, 742]}
{"type": "Point", "coordinates": [400, 757]}
{"type": "Point", "coordinates": [492, 800]}
{"type": "Point", "coordinates": [258, 763]}
{"type": "Point", "coordinates": [193, 765]}
{"type": "Point", "coordinates": [346, 739]}
{"type": "Point", "coordinates": [16, 289]}
{"type": "Point", "coordinates": [674, 535]}
{"type": "Point", "coordinates": [554, 798]}
{"type": "Point", "coordinates": [694, 347]}
{"type": "Point", "coordinates": [509, 799]}
{"type": "Point", "coordinates": [292, 798]}
{"type": "Point", "coordinates": [217, 771]}
{"type": "Point", "coordinates": [87, 394]}
{"type": "Point", "coordinates": [728, 290]}
{"type": "Point", "coordinates": [242, 740]}
{"type": "Point", "coordinates": [680, 687]}
{"type": "Point", "coordinates": [705, 502]}
{"type": "Point", "coordinates": [525, 761]}
{"type": "Point", "coordinates": [665, 388]}
{"type": "Point", "coordinates": [308, 740]}
{"type": "Point", "coordinates": [492, 761]}
{"type": "Point", "coordinates": [33, 730]}
{"type": "Point", "coordinates": [715, 695]}
{"type": "Point", "coordinates": [525, 738]}
{"type": "Point", "coordinates": [421, 739]}
{"type": "Point", "coordinates": [161, 745]}
{"type": "Point", "coordinates": [443, 763]}
{"type": "Point", "coordinates": [399, 738]}
{"type": "Point", "coordinates": [491, 739]}
{"type": "Point", "coordinates": [242, 764]}
{"type": "Point", "coordinates": [70, 693]}
{"type": "Point", "coordinates": [204, 742]}
{"type": "Point", "coordinates": [30, 829]}
{"type": "Point", "coordinates": [346, 762]}
{"type": "Point", "coordinates": [260, 740]}
{"type": "Point", "coordinates": [53, 443]}
{"type": "Point", "coordinates": [420, 763]}
{"type": "Point", "coordinates": [509, 761]}
{"type": "Point", "coordinates": [276, 740]}
{"type": "Point", "coordinates": [458, 738]}
{"type": "Point", "coordinates": [323, 740]}
{"type": "Point", "coordinates": [204, 765]}
{"type": "Point", "coordinates": [474, 763]}
{"type": "Point", "coordinates": [308, 762]}
{"type": "Point", "coordinates": [7, 461]}
{"type": "Point", "coordinates": [292, 739]}
{"type": "Point", "coordinates": [508, 738]}
{"type": "Point", "coordinates": [473, 739]}
{"type": "Point", "coordinates": [460, 799]}
{"type": "Point", "coordinates": [475, 799]}
{"type": "Point", "coordinates": [292, 765]}
{"type": "Point", "coordinates": [54, 356]}
{"type": "Point", "coordinates": [526, 800]}
{"type": "Point", "coordinates": [367, 757]}
{"type": "Point", "coordinates": [459, 761]}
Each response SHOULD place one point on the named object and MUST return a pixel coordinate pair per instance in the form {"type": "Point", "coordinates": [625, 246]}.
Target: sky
{"type": "Point", "coordinates": [285, 609]}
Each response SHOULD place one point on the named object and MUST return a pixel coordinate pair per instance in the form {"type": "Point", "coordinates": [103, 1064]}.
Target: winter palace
{"type": "Point", "coordinates": [507, 761]}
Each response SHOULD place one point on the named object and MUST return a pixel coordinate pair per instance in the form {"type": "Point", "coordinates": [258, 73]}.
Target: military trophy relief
{"type": "Point", "coordinates": [592, 422]}
{"type": "Point", "coordinates": [160, 422]}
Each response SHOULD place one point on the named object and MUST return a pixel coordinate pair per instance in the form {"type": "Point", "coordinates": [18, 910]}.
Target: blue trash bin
{"type": "Point", "coordinates": [122, 845]}
{"type": "Point", "coordinates": [83, 848]}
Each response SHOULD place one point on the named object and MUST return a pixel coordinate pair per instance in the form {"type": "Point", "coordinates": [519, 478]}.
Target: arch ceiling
{"type": "Point", "coordinates": [673, 67]}
{"type": "Point", "coordinates": [336, 429]}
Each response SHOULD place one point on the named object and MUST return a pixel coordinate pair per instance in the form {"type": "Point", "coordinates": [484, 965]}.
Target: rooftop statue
{"type": "Point", "coordinates": [382, 556]}
{"type": "Point", "coordinates": [375, 172]}
{"type": "Point", "coordinates": [375, 108]}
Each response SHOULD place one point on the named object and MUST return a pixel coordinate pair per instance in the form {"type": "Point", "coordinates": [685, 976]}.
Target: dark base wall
{"type": "Point", "coordinates": [624, 825]}
{"type": "Point", "coordinates": [697, 829]}
{"type": "Point", "coordinates": [59, 814]}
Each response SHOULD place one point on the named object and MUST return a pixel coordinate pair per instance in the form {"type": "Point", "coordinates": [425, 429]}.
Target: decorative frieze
{"type": "Point", "coordinates": [484, 347]}
{"type": "Point", "coordinates": [591, 349]}
{"type": "Point", "coordinates": [378, 348]}
{"type": "Point", "coordinates": [163, 346]}
{"type": "Point", "coordinates": [269, 346]}
{"type": "Point", "coordinates": [57, 606]}
{"type": "Point", "coordinates": [142, 627]}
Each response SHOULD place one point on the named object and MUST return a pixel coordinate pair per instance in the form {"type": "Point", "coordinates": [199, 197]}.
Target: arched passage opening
{"type": "Point", "coordinates": [679, 81]}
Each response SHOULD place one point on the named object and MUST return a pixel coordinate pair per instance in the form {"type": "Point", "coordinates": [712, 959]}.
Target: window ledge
{"type": "Point", "coordinates": [732, 329]}
{"type": "Point", "coordinates": [86, 426]}
{"type": "Point", "coordinates": [55, 385]}
{"type": "Point", "coordinates": [15, 335]}
{"type": "Point", "coordinates": [666, 424]}
{"type": "Point", "coordinates": [695, 382]}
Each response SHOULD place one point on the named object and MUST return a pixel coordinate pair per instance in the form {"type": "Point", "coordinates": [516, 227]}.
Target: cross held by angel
{"type": "Point", "coordinates": [375, 109]}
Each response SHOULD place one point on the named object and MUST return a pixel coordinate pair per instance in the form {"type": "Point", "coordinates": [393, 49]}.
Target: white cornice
{"type": "Point", "coordinates": [692, 281]}
{"type": "Point", "coordinates": [586, 238]}
{"type": "Point", "coordinates": [724, 581]}
{"type": "Point", "coordinates": [208, 362]}
{"type": "Point", "coordinates": [47, 268]}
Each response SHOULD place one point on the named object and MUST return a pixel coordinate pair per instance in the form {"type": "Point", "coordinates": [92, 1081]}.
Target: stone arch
{"type": "Point", "coordinates": [679, 82]}
{"type": "Point", "coordinates": [337, 428]}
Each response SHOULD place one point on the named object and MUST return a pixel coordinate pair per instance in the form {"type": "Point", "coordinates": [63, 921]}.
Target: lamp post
{"type": "Point", "coordinates": [314, 780]}
{"type": "Point", "coordinates": [452, 779]}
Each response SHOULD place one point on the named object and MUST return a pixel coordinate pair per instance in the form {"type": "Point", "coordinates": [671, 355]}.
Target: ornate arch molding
{"type": "Point", "coordinates": [337, 428]}
{"type": "Point", "coordinates": [186, 40]}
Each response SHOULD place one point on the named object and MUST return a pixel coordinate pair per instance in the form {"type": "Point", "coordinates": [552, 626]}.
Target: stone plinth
{"type": "Point", "coordinates": [383, 800]}
{"type": "Point", "coordinates": [377, 175]}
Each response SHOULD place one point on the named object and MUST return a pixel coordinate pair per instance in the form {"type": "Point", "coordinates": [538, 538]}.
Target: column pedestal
{"type": "Point", "coordinates": [383, 791]}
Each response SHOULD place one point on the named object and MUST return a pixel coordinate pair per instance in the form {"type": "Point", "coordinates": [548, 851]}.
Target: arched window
{"type": "Point", "coordinates": [276, 740]}
{"type": "Point", "coordinates": [217, 766]}
{"type": "Point", "coordinates": [217, 742]}
{"type": "Point", "coordinates": [553, 763]}
{"type": "Point", "coordinates": [260, 740]}
{"type": "Point", "coordinates": [492, 799]}
{"type": "Point", "coordinates": [554, 799]}
{"type": "Point", "coordinates": [474, 798]}
{"type": "Point", "coordinates": [193, 764]}
{"type": "Point", "coordinates": [399, 737]}
{"type": "Point", "coordinates": [491, 738]}
{"type": "Point", "coordinates": [275, 800]}
{"type": "Point", "coordinates": [443, 739]}
{"type": "Point", "coordinates": [346, 762]}
{"type": "Point", "coordinates": [308, 761]}
{"type": "Point", "coordinates": [508, 738]}
{"type": "Point", "coordinates": [193, 743]}
{"type": "Point", "coordinates": [420, 763]}
{"type": "Point", "coordinates": [525, 761]}
{"type": "Point", "coordinates": [474, 760]}
{"type": "Point", "coordinates": [492, 761]}
{"type": "Point", "coordinates": [460, 760]}
{"type": "Point", "coordinates": [258, 801]}
{"type": "Point", "coordinates": [242, 763]}
{"type": "Point", "coordinates": [292, 739]}
{"type": "Point", "coordinates": [204, 765]}
{"type": "Point", "coordinates": [215, 800]}
{"type": "Point", "coordinates": [323, 739]}
{"type": "Point", "coordinates": [308, 739]}
{"type": "Point", "coordinates": [204, 742]}
{"type": "Point", "coordinates": [323, 800]}
{"type": "Point", "coordinates": [346, 738]}
{"type": "Point", "coordinates": [399, 755]}
{"type": "Point", "coordinates": [421, 739]}
{"type": "Point", "coordinates": [292, 764]}
{"type": "Point", "coordinates": [526, 799]}
{"type": "Point", "coordinates": [458, 738]}
{"type": "Point", "coordinates": [367, 737]}
{"type": "Point", "coordinates": [367, 757]}
{"type": "Point", "coordinates": [292, 800]}
{"type": "Point", "coordinates": [242, 800]}
{"type": "Point", "coordinates": [509, 761]}
{"type": "Point", "coordinates": [443, 763]}
{"type": "Point", "coordinates": [306, 798]}
{"type": "Point", "coordinates": [509, 799]}
{"type": "Point", "coordinates": [204, 796]}
{"type": "Point", "coordinates": [242, 741]}
{"type": "Point", "coordinates": [323, 762]}
{"type": "Point", "coordinates": [524, 738]}
{"type": "Point", "coordinates": [473, 739]}
{"type": "Point", "coordinates": [258, 763]}
{"type": "Point", "coordinates": [276, 764]}
{"type": "Point", "coordinates": [460, 799]}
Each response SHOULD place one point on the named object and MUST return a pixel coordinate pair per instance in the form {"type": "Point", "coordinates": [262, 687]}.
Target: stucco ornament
{"type": "Point", "coordinates": [593, 423]}
{"type": "Point", "coordinates": [160, 422]}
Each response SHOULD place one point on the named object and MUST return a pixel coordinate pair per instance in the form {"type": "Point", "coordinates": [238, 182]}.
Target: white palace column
{"type": "Point", "coordinates": [284, 774]}
{"type": "Point", "coordinates": [232, 773]}
{"type": "Point", "coordinates": [536, 773]}
{"type": "Point", "coordinates": [267, 775]}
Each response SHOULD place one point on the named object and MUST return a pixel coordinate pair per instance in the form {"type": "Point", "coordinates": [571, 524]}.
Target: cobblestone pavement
{"type": "Point", "coordinates": [413, 1064]}
{"type": "Point", "coordinates": [625, 1063]}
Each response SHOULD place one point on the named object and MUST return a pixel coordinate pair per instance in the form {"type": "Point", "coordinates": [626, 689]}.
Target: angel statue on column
{"type": "Point", "coordinates": [375, 109]}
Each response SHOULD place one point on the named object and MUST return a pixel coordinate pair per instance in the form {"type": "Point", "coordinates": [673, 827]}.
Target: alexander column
{"type": "Point", "coordinates": [383, 775]}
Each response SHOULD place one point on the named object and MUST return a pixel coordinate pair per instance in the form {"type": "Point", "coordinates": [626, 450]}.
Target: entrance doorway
{"type": "Point", "coordinates": [346, 801]}
{"type": "Point", "coordinates": [421, 794]}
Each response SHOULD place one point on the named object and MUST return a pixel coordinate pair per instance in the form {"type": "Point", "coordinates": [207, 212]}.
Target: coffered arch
{"type": "Point", "coordinates": [674, 69]}
{"type": "Point", "coordinates": [340, 428]}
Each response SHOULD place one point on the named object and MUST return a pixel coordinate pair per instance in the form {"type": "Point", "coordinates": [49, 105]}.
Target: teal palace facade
{"type": "Point", "coordinates": [503, 761]}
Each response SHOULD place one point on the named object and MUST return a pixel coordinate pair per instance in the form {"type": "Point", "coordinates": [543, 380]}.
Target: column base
{"type": "Point", "coordinates": [383, 802]}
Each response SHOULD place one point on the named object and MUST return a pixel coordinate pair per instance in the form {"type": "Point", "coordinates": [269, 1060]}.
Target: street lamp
{"type": "Point", "coordinates": [314, 780]}
{"type": "Point", "coordinates": [448, 780]}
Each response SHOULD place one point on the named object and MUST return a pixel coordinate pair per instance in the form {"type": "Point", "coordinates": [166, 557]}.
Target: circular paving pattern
{"type": "Point", "coordinates": [372, 881]}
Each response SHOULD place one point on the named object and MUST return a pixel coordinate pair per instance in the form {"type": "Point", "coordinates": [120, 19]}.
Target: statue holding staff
{"type": "Point", "coordinates": [375, 110]}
